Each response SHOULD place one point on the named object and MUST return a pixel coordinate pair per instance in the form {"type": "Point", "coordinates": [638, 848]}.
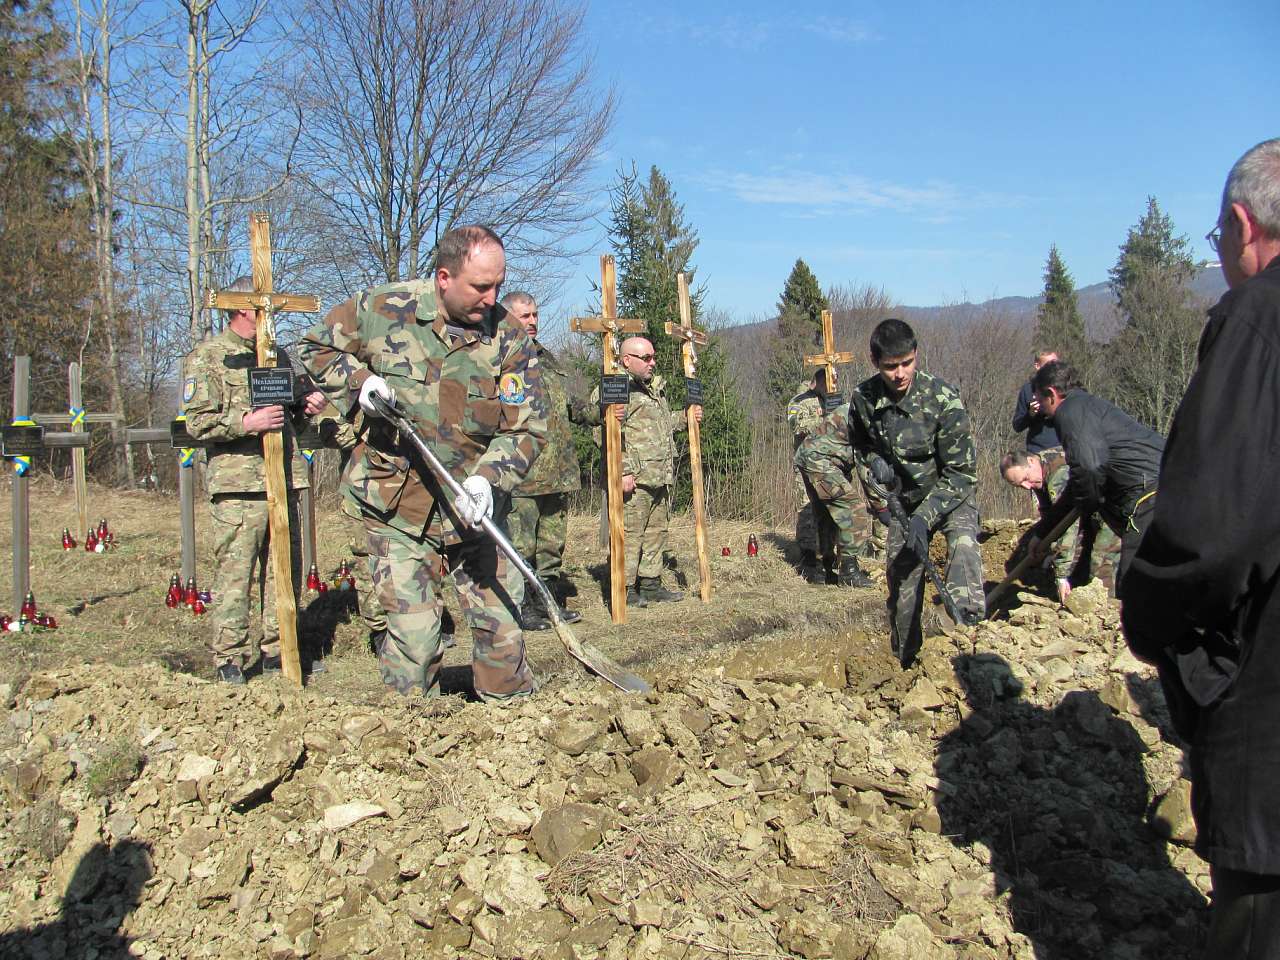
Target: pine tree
{"type": "Point", "coordinates": [799, 327]}
{"type": "Point", "coordinates": [1155, 353]}
{"type": "Point", "coordinates": [1059, 326]}
{"type": "Point", "coordinates": [653, 243]}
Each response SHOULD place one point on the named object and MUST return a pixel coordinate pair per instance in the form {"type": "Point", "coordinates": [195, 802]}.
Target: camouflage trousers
{"type": "Point", "coordinates": [537, 527]}
{"type": "Point", "coordinates": [841, 527]}
{"type": "Point", "coordinates": [358, 544]}
{"type": "Point", "coordinates": [241, 556]}
{"type": "Point", "coordinates": [408, 581]}
{"type": "Point", "coordinates": [646, 517]}
{"type": "Point", "coordinates": [906, 576]}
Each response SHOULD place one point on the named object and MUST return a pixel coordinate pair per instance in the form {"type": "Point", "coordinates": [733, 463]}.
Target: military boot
{"type": "Point", "coordinates": [829, 575]}
{"type": "Point", "coordinates": [532, 614]}
{"type": "Point", "coordinates": [810, 569]}
{"type": "Point", "coordinates": [651, 589]}
{"type": "Point", "coordinates": [556, 588]}
{"type": "Point", "coordinates": [852, 575]}
{"type": "Point", "coordinates": [634, 598]}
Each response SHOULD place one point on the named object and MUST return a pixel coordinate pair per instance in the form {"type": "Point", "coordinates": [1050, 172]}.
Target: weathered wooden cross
{"type": "Point", "coordinates": [690, 339]}
{"type": "Point", "coordinates": [265, 303]}
{"type": "Point", "coordinates": [21, 440]}
{"type": "Point", "coordinates": [829, 357]}
{"type": "Point", "coordinates": [176, 436]}
{"type": "Point", "coordinates": [610, 325]}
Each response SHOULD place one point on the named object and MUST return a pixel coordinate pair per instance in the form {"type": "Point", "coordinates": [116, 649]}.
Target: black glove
{"type": "Point", "coordinates": [916, 538]}
{"type": "Point", "coordinates": [881, 472]}
{"type": "Point", "coordinates": [882, 514]}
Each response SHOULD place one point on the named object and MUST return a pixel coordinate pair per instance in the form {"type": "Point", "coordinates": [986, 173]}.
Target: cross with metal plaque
{"type": "Point", "coordinates": [265, 303]}
{"type": "Point", "coordinates": [690, 339]}
{"type": "Point", "coordinates": [829, 357]}
{"type": "Point", "coordinates": [614, 387]}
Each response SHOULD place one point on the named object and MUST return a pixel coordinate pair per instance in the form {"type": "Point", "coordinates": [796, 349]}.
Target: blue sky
{"type": "Point", "coordinates": [934, 149]}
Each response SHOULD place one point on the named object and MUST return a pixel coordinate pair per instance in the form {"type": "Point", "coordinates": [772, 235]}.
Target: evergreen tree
{"type": "Point", "coordinates": [1059, 326]}
{"type": "Point", "coordinates": [46, 271]}
{"type": "Point", "coordinates": [799, 328]}
{"type": "Point", "coordinates": [653, 243]}
{"type": "Point", "coordinates": [1155, 353]}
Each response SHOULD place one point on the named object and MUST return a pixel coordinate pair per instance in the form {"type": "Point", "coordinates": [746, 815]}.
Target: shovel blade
{"type": "Point", "coordinates": [598, 663]}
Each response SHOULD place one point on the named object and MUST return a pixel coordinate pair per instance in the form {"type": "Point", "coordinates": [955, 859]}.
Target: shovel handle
{"type": "Point", "coordinates": [1054, 535]}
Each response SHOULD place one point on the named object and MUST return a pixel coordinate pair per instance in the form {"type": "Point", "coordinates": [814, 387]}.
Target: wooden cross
{"type": "Point", "coordinates": [265, 302]}
{"type": "Point", "coordinates": [610, 325]}
{"type": "Point", "coordinates": [690, 339]}
{"type": "Point", "coordinates": [829, 357]}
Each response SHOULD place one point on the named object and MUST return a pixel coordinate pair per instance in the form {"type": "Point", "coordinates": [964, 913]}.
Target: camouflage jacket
{"type": "Point", "coordinates": [556, 468]}
{"type": "Point", "coordinates": [1053, 461]}
{"type": "Point", "coordinates": [924, 436]}
{"type": "Point", "coordinates": [648, 450]}
{"type": "Point", "coordinates": [475, 393]}
{"type": "Point", "coordinates": [215, 398]}
{"type": "Point", "coordinates": [806, 411]}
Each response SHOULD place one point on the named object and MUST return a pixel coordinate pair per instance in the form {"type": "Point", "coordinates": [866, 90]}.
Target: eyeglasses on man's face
{"type": "Point", "coordinates": [1214, 237]}
{"type": "Point", "coordinates": [642, 357]}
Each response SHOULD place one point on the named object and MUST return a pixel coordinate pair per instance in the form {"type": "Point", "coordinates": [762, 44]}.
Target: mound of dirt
{"type": "Point", "coordinates": [1010, 796]}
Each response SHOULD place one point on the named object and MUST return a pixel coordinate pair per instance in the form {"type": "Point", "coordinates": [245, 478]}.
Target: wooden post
{"type": "Point", "coordinates": [690, 339]}
{"type": "Point", "coordinates": [76, 412]}
{"type": "Point", "coordinates": [829, 357]}
{"type": "Point", "coordinates": [186, 489]}
{"type": "Point", "coordinates": [265, 303]}
{"type": "Point", "coordinates": [610, 325]}
{"type": "Point", "coordinates": [21, 513]}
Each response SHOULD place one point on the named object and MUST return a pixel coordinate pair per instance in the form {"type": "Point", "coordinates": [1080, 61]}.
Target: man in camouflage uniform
{"type": "Point", "coordinates": [538, 518]}
{"type": "Point", "coordinates": [1046, 474]}
{"type": "Point", "coordinates": [648, 471]}
{"type": "Point", "coordinates": [832, 526]}
{"type": "Point", "coordinates": [215, 398]}
{"type": "Point", "coordinates": [908, 430]}
{"type": "Point", "coordinates": [469, 380]}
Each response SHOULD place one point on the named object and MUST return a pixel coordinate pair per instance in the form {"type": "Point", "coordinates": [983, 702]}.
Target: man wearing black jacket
{"type": "Point", "coordinates": [1028, 416]}
{"type": "Point", "coordinates": [1202, 600]}
{"type": "Point", "coordinates": [1114, 460]}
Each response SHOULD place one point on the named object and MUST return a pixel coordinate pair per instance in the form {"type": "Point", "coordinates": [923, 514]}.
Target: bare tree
{"type": "Point", "coordinates": [423, 114]}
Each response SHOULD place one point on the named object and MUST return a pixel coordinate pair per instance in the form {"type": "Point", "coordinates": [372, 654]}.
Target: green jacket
{"type": "Point", "coordinates": [475, 393]}
{"type": "Point", "coordinates": [924, 436]}
{"type": "Point", "coordinates": [556, 468]}
{"type": "Point", "coordinates": [648, 450]}
{"type": "Point", "coordinates": [215, 398]}
{"type": "Point", "coordinates": [1056, 476]}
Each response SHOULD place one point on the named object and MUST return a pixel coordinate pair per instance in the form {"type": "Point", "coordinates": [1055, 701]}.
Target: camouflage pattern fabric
{"type": "Point", "coordinates": [824, 459]}
{"type": "Point", "coordinates": [804, 413]}
{"type": "Point", "coordinates": [648, 450]}
{"type": "Point", "coordinates": [408, 581]}
{"type": "Point", "coordinates": [556, 468]}
{"type": "Point", "coordinates": [1093, 545]}
{"type": "Point", "coordinates": [371, 611]}
{"type": "Point", "coordinates": [241, 540]}
{"type": "Point", "coordinates": [537, 527]}
{"type": "Point", "coordinates": [215, 398]}
{"type": "Point", "coordinates": [475, 393]}
{"type": "Point", "coordinates": [906, 576]}
{"type": "Point", "coordinates": [646, 519]}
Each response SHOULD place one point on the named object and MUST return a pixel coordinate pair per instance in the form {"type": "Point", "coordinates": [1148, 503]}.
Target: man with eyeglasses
{"type": "Point", "coordinates": [648, 471]}
{"type": "Point", "coordinates": [1202, 596]}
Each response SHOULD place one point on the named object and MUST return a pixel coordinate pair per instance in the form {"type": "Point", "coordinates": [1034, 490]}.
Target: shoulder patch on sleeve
{"type": "Point", "coordinates": [188, 389]}
{"type": "Point", "coordinates": [511, 388]}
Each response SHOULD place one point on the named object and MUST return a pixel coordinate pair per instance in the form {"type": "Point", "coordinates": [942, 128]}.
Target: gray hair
{"type": "Point", "coordinates": [1015, 458]}
{"type": "Point", "coordinates": [241, 284]}
{"type": "Point", "coordinates": [1254, 183]}
{"type": "Point", "coordinates": [518, 296]}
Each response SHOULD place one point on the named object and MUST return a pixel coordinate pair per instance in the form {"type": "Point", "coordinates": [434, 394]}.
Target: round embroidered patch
{"type": "Point", "coordinates": [511, 388]}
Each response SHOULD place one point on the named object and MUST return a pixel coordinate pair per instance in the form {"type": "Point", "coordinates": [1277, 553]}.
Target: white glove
{"type": "Point", "coordinates": [375, 385]}
{"type": "Point", "coordinates": [476, 502]}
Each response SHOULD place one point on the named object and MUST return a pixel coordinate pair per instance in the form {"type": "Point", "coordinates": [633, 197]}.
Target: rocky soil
{"type": "Point", "coordinates": [1012, 796]}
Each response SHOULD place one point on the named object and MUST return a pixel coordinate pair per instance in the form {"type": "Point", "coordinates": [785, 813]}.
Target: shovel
{"type": "Point", "coordinates": [584, 653]}
{"type": "Point", "coordinates": [998, 590]}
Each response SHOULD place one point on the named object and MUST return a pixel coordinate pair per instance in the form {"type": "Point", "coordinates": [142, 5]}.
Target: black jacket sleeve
{"type": "Point", "coordinates": [1022, 418]}
{"type": "Point", "coordinates": [1215, 537]}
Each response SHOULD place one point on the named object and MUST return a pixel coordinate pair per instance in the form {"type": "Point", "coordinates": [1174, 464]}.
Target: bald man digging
{"type": "Point", "coordinates": [648, 471]}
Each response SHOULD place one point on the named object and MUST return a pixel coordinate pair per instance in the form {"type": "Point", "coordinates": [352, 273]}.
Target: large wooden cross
{"type": "Point", "coordinates": [690, 339]}
{"type": "Point", "coordinates": [610, 325]}
{"type": "Point", "coordinates": [829, 357]}
{"type": "Point", "coordinates": [265, 303]}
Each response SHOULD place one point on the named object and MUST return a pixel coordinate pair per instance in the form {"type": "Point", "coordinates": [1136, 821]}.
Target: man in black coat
{"type": "Point", "coordinates": [1114, 461]}
{"type": "Point", "coordinates": [1028, 416]}
{"type": "Point", "coordinates": [1202, 600]}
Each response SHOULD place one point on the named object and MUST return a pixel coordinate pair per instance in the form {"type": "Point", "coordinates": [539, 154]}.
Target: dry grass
{"type": "Point", "coordinates": [116, 765]}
